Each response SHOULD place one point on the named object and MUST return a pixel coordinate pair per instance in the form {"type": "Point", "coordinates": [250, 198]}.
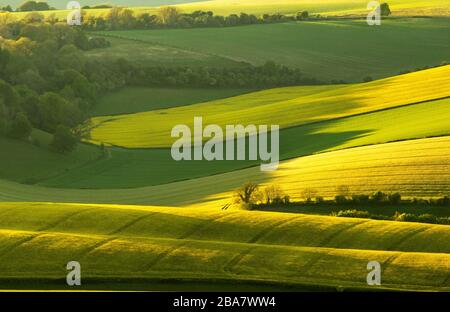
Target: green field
{"type": "Point", "coordinates": [30, 162]}
{"type": "Point", "coordinates": [143, 167]}
{"type": "Point", "coordinates": [138, 220]}
{"type": "Point", "coordinates": [124, 168]}
{"type": "Point", "coordinates": [151, 54]}
{"type": "Point", "coordinates": [414, 168]}
{"type": "Point", "coordinates": [286, 107]}
{"type": "Point", "coordinates": [154, 243]}
{"type": "Point", "coordinates": [140, 99]}
{"type": "Point", "coordinates": [339, 50]}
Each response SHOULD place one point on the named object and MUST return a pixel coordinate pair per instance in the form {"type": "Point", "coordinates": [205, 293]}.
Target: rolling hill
{"type": "Point", "coordinates": [414, 168]}
{"type": "Point", "coordinates": [144, 167]}
{"type": "Point", "coordinates": [132, 243]}
{"type": "Point", "coordinates": [347, 50]}
{"type": "Point", "coordinates": [286, 107]}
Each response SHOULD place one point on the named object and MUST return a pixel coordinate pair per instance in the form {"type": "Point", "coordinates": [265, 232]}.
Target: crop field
{"type": "Point", "coordinates": [155, 242]}
{"type": "Point", "coordinates": [29, 163]}
{"type": "Point", "coordinates": [87, 175]}
{"type": "Point", "coordinates": [414, 168]}
{"type": "Point", "coordinates": [142, 53]}
{"type": "Point", "coordinates": [332, 50]}
{"type": "Point", "coordinates": [141, 99]}
{"type": "Point", "coordinates": [259, 7]}
{"type": "Point", "coordinates": [144, 167]}
{"type": "Point", "coordinates": [325, 7]}
{"type": "Point", "coordinates": [286, 107]}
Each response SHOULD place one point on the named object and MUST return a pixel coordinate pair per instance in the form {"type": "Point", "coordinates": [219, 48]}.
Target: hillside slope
{"type": "Point", "coordinates": [414, 168]}
{"type": "Point", "coordinates": [134, 242]}
{"type": "Point", "coordinates": [286, 107]}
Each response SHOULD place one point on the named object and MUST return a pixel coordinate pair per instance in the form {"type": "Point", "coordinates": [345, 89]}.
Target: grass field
{"type": "Point", "coordinates": [150, 54]}
{"type": "Point", "coordinates": [286, 107]}
{"type": "Point", "coordinates": [138, 220]}
{"type": "Point", "coordinates": [155, 242]}
{"type": "Point", "coordinates": [25, 162]}
{"type": "Point", "coordinates": [415, 168]}
{"type": "Point", "coordinates": [137, 168]}
{"type": "Point", "coordinates": [340, 50]}
{"type": "Point", "coordinates": [141, 99]}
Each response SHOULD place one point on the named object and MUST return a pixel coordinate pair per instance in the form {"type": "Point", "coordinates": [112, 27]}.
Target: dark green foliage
{"type": "Point", "coordinates": [6, 8]}
{"type": "Point", "coordinates": [171, 17]}
{"type": "Point", "coordinates": [20, 127]}
{"type": "Point", "coordinates": [63, 140]}
{"type": "Point", "coordinates": [385, 10]}
{"type": "Point", "coordinates": [302, 16]}
{"type": "Point", "coordinates": [34, 6]}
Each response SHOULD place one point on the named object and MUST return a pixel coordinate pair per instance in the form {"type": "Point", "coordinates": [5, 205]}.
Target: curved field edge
{"type": "Point", "coordinates": [138, 242]}
{"type": "Point", "coordinates": [106, 257]}
{"type": "Point", "coordinates": [414, 168]}
{"type": "Point", "coordinates": [237, 226]}
{"type": "Point", "coordinates": [155, 166]}
{"type": "Point", "coordinates": [287, 107]}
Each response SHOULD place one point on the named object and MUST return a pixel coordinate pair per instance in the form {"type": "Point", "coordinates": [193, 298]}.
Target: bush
{"type": "Point", "coordinates": [63, 140]}
{"type": "Point", "coordinates": [20, 127]}
{"type": "Point", "coordinates": [353, 214]}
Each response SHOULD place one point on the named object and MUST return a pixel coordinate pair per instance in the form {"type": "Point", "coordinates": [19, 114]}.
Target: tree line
{"type": "Point", "coordinates": [251, 195]}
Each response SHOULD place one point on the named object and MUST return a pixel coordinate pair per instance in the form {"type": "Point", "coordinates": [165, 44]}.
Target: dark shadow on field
{"type": "Point", "coordinates": [133, 168]}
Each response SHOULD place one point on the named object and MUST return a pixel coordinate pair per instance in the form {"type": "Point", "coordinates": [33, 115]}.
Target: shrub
{"type": "Point", "coordinates": [20, 128]}
{"type": "Point", "coordinates": [353, 214]}
{"type": "Point", "coordinates": [63, 140]}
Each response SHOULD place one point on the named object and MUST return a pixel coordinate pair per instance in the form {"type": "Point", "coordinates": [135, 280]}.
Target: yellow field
{"type": "Point", "coordinates": [414, 168]}
{"type": "Point", "coordinates": [285, 106]}
{"type": "Point", "coordinates": [207, 244]}
{"type": "Point", "coordinates": [259, 7]}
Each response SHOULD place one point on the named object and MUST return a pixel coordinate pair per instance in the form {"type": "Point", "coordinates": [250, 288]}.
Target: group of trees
{"type": "Point", "coordinates": [46, 82]}
{"type": "Point", "coordinates": [29, 6]}
{"type": "Point", "coordinates": [267, 75]}
{"type": "Point", "coordinates": [398, 216]}
{"type": "Point", "coordinates": [171, 17]}
{"type": "Point", "coordinates": [251, 195]}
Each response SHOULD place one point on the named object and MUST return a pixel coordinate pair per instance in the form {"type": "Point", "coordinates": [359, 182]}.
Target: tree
{"type": "Point", "coordinates": [34, 6]}
{"type": "Point", "coordinates": [63, 140]}
{"type": "Point", "coordinates": [273, 194]}
{"type": "Point", "coordinates": [308, 194]}
{"type": "Point", "coordinates": [34, 17]}
{"type": "Point", "coordinates": [248, 195]}
{"type": "Point", "coordinates": [385, 10]}
{"type": "Point", "coordinates": [168, 15]}
{"type": "Point", "coordinates": [302, 15]}
{"type": "Point", "coordinates": [7, 8]}
{"type": "Point", "coordinates": [20, 127]}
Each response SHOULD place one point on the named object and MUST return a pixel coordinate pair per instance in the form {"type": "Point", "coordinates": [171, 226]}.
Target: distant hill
{"type": "Point", "coordinates": [131, 3]}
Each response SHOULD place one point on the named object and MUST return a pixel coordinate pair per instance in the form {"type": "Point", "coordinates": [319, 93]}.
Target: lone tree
{"type": "Point", "coordinates": [63, 140]}
{"type": "Point", "coordinates": [248, 195]}
{"type": "Point", "coordinates": [20, 127]}
{"type": "Point", "coordinates": [302, 16]}
{"type": "Point", "coordinates": [385, 10]}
